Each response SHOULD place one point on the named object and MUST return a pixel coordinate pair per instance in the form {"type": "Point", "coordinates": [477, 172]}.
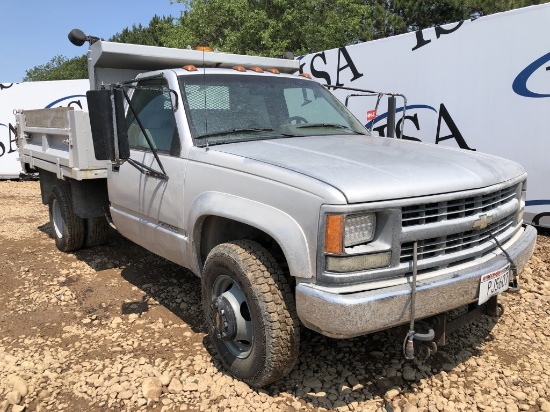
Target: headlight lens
{"type": "Point", "coordinates": [359, 229]}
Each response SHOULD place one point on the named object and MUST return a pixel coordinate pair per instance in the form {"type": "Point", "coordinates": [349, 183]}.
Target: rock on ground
{"type": "Point", "coordinates": [117, 328]}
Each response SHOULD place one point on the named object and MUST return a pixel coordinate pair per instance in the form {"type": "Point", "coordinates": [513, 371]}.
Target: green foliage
{"type": "Point", "coordinates": [152, 35]}
{"type": "Point", "coordinates": [267, 27]}
{"type": "Point", "coordinates": [271, 27]}
{"type": "Point", "coordinates": [58, 68]}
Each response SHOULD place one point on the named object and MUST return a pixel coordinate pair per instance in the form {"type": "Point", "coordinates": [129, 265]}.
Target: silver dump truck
{"type": "Point", "coordinates": [264, 185]}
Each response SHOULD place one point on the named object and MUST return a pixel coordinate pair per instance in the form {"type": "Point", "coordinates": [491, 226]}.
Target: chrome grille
{"type": "Point", "coordinates": [456, 242]}
{"type": "Point", "coordinates": [455, 209]}
{"type": "Point", "coordinates": [460, 243]}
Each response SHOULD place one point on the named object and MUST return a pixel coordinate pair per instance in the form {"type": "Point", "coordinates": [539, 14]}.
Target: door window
{"type": "Point", "coordinates": [153, 104]}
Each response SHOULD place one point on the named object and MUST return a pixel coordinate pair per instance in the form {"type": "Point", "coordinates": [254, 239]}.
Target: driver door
{"type": "Point", "coordinates": [146, 209]}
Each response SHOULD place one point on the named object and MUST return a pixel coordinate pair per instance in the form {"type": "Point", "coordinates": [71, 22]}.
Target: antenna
{"type": "Point", "coordinates": [205, 100]}
{"type": "Point", "coordinates": [202, 43]}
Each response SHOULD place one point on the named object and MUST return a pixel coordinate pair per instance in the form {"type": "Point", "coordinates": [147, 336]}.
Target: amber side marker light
{"type": "Point", "coordinates": [190, 68]}
{"type": "Point", "coordinates": [239, 68]}
{"type": "Point", "coordinates": [204, 48]}
{"type": "Point", "coordinates": [334, 238]}
{"type": "Point", "coordinates": [306, 75]}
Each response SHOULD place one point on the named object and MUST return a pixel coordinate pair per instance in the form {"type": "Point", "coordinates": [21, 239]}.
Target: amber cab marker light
{"type": "Point", "coordinates": [257, 69]}
{"type": "Point", "coordinates": [334, 234]}
{"type": "Point", "coordinates": [274, 71]}
{"type": "Point", "coordinates": [306, 75]}
{"type": "Point", "coordinates": [190, 68]}
{"type": "Point", "coordinates": [204, 48]}
{"type": "Point", "coordinates": [239, 68]}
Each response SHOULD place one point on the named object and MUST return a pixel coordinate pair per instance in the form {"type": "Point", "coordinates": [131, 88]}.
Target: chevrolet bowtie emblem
{"type": "Point", "coordinates": [483, 222]}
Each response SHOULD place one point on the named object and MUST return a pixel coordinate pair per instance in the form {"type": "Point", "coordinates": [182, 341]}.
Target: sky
{"type": "Point", "coordinates": [34, 31]}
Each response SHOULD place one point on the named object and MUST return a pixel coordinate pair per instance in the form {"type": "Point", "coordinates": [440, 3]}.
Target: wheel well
{"type": "Point", "coordinates": [216, 230]}
{"type": "Point", "coordinates": [89, 197]}
{"type": "Point", "coordinates": [47, 182]}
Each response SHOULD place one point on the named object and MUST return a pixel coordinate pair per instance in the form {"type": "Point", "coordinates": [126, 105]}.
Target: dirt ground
{"type": "Point", "coordinates": [90, 331]}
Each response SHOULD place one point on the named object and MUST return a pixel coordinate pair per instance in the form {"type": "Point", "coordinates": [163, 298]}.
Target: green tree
{"type": "Point", "coordinates": [269, 27]}
{"type": "Point", "coordinates": [152, 35]}
{"type": "Point", "coordinates": [58, 68]}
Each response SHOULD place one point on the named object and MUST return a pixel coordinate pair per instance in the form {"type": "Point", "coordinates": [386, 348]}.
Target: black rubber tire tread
{"type": "Point", "coordinates": [268, 291]}
{"type": "Point", "coordinates": [73, 226]}
{"type": "Point", "coordinates": [96, 231]}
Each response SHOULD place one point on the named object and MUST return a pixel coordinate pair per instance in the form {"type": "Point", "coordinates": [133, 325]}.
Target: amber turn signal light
{"type": "Point", "coordinates": [334, 234]}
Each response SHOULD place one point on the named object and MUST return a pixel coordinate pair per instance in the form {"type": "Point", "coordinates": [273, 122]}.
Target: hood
{"type": "Point", "coordinates": [368, 168]}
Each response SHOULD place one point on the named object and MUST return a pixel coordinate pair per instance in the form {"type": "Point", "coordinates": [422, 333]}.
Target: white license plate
{"type": "Point", "coordinates": [494, 283]}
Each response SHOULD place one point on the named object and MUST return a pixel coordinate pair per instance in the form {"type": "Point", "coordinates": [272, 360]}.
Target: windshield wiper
{"type": "Point", "coordinates": [327, 125]}
{"type": "Point", "coordinates": [333, 125]}
{"type": "Point", "coordinates": [235, 131]}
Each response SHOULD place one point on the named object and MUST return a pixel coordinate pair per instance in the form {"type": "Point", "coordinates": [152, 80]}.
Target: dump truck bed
{"type": "Point", "coordinates": [48, 140]}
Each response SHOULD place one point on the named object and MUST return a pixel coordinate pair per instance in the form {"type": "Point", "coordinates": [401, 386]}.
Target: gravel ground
{"type": "Point", "coordinates": [117, 328]}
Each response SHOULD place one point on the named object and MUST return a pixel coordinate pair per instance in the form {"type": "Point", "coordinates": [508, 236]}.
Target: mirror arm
{"type": "Point", "coordinates": [146, 170]}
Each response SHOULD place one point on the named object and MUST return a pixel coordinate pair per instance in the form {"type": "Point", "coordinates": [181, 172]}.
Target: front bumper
{"type": "Point", "coordinates": [348, 315]}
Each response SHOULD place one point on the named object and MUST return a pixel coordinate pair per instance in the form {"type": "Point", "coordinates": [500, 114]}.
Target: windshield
{"type": "Point", "coordinates": [225, 108]}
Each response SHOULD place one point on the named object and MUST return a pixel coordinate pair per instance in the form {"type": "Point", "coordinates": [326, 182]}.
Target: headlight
{"type": "Point", "coordinates": [346, 231]}
{"type": "Point", "coordinates": [359, 229]}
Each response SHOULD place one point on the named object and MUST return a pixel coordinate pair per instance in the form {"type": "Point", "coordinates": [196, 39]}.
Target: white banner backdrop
{"type": "Point", "coordinates": [32, 95]}
{"type": "Point", "coordinates": [480, 84]}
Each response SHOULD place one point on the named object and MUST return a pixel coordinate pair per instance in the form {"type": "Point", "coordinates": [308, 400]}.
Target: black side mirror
{"type": "Point", "coordinates": [78, 37]}
{"type": "Point", "coordinates": [106, 108]}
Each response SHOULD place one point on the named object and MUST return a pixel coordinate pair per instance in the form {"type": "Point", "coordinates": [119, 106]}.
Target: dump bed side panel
{"type": "Point", "coordinates": [59, 141]}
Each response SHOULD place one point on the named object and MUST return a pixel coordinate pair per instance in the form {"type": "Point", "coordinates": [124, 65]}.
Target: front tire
{"type": "Point", "coordinates": [67, 228]}
{"type": "Point", "coordinates": [250, 312]}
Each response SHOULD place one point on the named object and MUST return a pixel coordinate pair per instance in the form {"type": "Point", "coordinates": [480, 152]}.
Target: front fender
{"type": "Point", "coordinates": [276, 223]}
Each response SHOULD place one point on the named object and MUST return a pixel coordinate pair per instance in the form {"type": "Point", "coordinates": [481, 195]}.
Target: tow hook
{"type": "Point", "coordinates": [433, 334]}
{"type": "Point", "coordinates": [419, 344]}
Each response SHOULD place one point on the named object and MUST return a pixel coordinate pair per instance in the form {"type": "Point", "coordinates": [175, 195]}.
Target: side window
{"type": "Point", "coordinates": [153, 105]}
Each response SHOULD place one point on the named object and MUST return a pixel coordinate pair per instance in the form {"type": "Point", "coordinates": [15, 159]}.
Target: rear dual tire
{"type": "Point", "coordinates": [67, 228]}
{"type": "Point", "coordinates": [70, 231]}
{"type": "Point", "coordinates": [96, 231]}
